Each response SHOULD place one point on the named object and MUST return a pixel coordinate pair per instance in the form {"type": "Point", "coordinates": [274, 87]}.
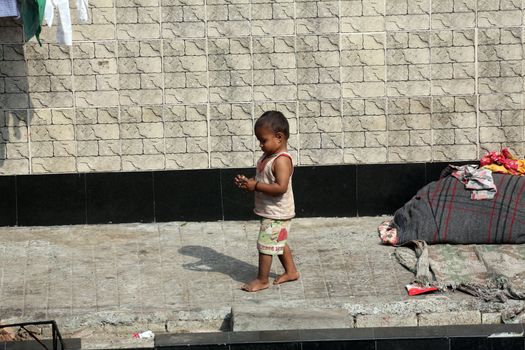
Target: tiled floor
{"type": "Point", "coordinates": [69, 270]}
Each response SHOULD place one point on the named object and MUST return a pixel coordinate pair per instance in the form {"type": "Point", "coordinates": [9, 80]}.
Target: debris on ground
{"type": "Point", "coordinates": [144, 335]}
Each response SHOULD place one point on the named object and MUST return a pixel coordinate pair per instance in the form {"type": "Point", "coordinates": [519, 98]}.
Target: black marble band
{"type": "Point", "coordinates": [203, 195]}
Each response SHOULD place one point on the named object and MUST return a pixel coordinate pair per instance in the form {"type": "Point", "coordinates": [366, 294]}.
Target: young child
{"type": "Point", "coordinates": [273, 199]}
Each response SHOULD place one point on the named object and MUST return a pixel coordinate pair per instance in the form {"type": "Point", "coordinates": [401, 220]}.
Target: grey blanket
{"type": "Point", "coordinates": [443, 212]}
{"type": "Point", "coordinates": [491, 272]}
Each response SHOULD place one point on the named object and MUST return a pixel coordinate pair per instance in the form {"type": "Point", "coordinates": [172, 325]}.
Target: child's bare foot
{"type": "Point", "coordinates": [255, 286]}
{"type": "Point", "coordinates": [286, 277]}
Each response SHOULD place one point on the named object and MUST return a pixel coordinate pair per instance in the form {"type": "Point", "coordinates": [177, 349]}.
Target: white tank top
{"type": "Point", "coordinates": [279, 207]}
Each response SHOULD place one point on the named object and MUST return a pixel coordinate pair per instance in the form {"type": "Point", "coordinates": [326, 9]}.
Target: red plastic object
{"type": "Point", "coordinates": [414, 289]}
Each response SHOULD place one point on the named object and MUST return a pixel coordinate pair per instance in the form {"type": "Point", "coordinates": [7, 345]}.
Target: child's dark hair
{"type": "Point", "coordinates": [276, 121]}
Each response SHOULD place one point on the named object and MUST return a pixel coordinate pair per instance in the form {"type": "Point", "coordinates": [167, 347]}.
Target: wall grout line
{"type": "Point", "coordinates": [119, 108]}
{"type": "Point", "coordinates": [431, 80]}
{"type": "Point", "coordinates": [208, 103]}
{"type": "Point", "coordinates": [297, 101]}
{"type": "Point", "coordinates": [476, 78]}
{"type": "Point", "coordinates": [2, 271]}
{"type": "Point", "coordinates": [341, 90]}
{"type": "Point", "coordinates": [163, 88]}
{"type": "Point", "coordinates": [252, 85]}
{"type": "Point", "coordinates": [386, 97]}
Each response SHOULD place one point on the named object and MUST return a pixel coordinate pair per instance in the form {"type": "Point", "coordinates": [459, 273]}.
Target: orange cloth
{"type": "Point", "coordinates": [501, 169]}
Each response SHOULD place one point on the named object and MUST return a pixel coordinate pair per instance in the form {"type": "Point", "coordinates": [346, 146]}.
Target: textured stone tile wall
{"type": "Point", "coordinates": [177, 84]}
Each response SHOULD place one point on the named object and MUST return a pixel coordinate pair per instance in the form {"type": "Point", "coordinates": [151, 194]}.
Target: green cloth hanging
{"type": "Point", "coordinates": [32, 12]}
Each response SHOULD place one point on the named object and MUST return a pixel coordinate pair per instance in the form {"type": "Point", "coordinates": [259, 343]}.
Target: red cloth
{"type": "Point", "coordinates": [503, 162]}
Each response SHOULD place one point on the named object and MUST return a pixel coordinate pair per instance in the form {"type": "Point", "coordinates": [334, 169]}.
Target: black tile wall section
{"type": "Point", "coordinates": [383, 188]}
{"type": "Point", "coordinates": [204, 195]}
{"type": "Point", "coordinates": [337, 334]}
{"type": "Point", "coordinates": [413, 344]}
{"type": "Point", "coordinates": [339, 345]}
{"type": "Point", "coordinates": [325, 191]}
{"type": "Point", "coordinates": [266, 346]}
{"type": "Point", "coordinates": [187, 195]}
{"type": "Point", "coordinates": [506, 343]}
{"type": "Point", "coordinates": [237, 204]}
{"type": "Point", "coordinates": [204, 347]}
{"type": "Point", "coordinates": [8, 200]}
{"type": "Point", "coordinates": [457, 337]}
{"type": "Point", "coordinates": [119, 197]}
{"type": "Point", "coordinates": [469, 343]}
{"type": "Point", "coordinates": [51, 199]}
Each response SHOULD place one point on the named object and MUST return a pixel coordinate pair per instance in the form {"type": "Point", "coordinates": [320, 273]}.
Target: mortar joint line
{"type": "Point", "coordinates": [72, 289]}
{"type": "Point", "coordinates": [163, 88]}
{"type": "Point", "coordinates": [140, 275]}
{"type": "Point", "coordinates": [431, 80]}
{"type": "Point", "coordinates": [73, 96]}
{"type": "Point", "coordinates": [208, 103]}
{"type": "Point", "coordinates": [29, 111]}
{"type": "Point", "coordinates": [297, 101]}
{"type": "Point", "coordinates": [324, 275]}
{"type": "Point", "coordinates": [2, 274]}
{"type": "Point", "coordinates": [116, 267]}
{"type": "Point", "coordinates": [252, 72]}
{"type": "Point", "coordinates": [347, 270]}
{"type": "Point", "coordinates": [25, 278]}
{"type": "Point", "coordinates": [385, 90]}
{"type": "Point", "coordinates": [476, 88]}
{"type": "Point", "coordinates": [341, 97]}
{"type": "Point", "coordinates": [119, 107]}
{"type": "Point", "coordinates": [161, 263]}
{"type": "Point", "coordinates": [95, 280]}
{"type": "Point", "coordinates": [476, 78]}
{"type": "Point", "coordinates": [49, 279]}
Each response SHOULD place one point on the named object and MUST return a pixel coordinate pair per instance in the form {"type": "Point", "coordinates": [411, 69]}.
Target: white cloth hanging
{"type": "Point", "coordinates": [8, 8]}
{"type": "Point", "coordinates": [64, 31]}
{"type": "Point", "coordinates": [82, 7]}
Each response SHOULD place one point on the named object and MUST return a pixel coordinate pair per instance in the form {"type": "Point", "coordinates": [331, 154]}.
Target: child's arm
{"type": "Point", "coordinates": [282, 170]}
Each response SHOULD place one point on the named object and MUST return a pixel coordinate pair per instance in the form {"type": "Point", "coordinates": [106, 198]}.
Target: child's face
{"type": "Point", "coordinates": [269, 141]}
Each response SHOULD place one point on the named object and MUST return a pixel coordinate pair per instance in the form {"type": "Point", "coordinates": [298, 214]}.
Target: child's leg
{"type": "Point", "coordinates": [290, 271]}
{"type": "Point", "coordinates": [261, 282]}
{"type": "Point", "coordinates": [265, 257]}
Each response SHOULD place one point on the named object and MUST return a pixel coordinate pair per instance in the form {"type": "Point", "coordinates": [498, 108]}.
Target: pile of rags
{"type": "Point", "coordinates": [491, 272]}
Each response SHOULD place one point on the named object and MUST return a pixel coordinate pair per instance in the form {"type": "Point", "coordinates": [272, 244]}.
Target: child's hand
{"type": "Point", "coordinates": [240, 181]}
{"type": "Point", "coordinates": [243, 182]}
{"type": "Point", "coordinates": [250, 185]}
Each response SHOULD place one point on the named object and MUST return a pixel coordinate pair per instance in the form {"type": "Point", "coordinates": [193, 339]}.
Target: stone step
{"type": "Point", "coordinates": [251, 318]}
{"type": "Point", "coordinates": [501, 336]}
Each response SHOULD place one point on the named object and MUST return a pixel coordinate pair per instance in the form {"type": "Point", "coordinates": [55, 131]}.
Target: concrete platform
{"type": "Point", "coordinates": [104, 282]}
{"type": "Point", "coordinates": [253, 318]}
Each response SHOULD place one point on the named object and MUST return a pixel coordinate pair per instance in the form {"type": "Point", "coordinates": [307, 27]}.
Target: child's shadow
{"type": "Point", "coordinates": [213, 261]}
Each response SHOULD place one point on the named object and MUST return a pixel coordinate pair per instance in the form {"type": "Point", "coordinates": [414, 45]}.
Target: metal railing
{"type": "Point", "coordinates": [57, 337]}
